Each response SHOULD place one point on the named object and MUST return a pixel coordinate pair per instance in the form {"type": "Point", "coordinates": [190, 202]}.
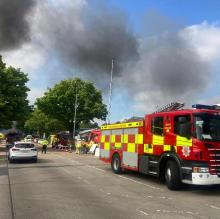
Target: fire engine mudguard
{"type": "Point", "coordinates": [116, 164]}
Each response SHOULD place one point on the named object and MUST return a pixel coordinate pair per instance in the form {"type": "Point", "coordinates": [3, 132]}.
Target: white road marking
{"type": "Point", "coordinates": [215, 207]}
{"type": "Point", "coordinates": [189, 212]}
{"type": "Point", "coordinates": [132, 180]}
{"type": "Point", "coordinates": [143, 212]}
{"type": "Point", "coordinates": [177, 212]}
{"type": "Point", "coordinates": [164, 197]}
{"type": "Point", "coordinates": [149, 196]}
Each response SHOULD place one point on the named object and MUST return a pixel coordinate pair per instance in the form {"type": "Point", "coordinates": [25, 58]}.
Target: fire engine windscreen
{"type": "Point", "coordinates": [207, 127]}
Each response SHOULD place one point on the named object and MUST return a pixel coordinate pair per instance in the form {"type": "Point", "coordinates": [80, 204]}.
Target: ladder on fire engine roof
{"type": "Point", "coordinates": [170, 107]}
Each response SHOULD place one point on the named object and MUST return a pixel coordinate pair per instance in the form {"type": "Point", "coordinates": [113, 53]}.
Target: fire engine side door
{"type": "Point", "coordinates": [154, 142]}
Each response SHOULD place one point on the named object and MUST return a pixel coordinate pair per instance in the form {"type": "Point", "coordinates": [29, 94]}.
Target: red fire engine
{"type": "Point", "coordinates": [176, 145]}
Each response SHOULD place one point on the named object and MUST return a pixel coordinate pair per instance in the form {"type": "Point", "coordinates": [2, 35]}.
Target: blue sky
{"type": "Point", "coordinates": [148, 82]}
{"type": "Point", "coordinates": [189, 11]}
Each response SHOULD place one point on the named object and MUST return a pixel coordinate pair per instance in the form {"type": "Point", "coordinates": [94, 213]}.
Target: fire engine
{"type": "Point", "coordinates": [174, 144]}
{"type": "Point", "coordinates": [88, 140]}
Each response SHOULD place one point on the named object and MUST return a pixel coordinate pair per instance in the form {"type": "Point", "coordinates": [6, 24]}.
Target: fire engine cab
{"type": "Point", "coordinates": [176, 145]}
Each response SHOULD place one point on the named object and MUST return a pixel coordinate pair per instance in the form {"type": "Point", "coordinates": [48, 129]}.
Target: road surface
{"type": "Point", "coordinates": [65, 185]}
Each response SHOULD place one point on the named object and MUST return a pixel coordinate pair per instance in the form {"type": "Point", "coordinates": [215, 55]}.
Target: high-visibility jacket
{"type": "Point", "coordinates": [44, 142]}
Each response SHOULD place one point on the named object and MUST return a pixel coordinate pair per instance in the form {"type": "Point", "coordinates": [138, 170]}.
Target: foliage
{"type": "Point", "coordinates": [13, 96]}
{"type": "Point", "coordinates": [59, 102]}
{"type": "Point", "coordinates": [40, 123]}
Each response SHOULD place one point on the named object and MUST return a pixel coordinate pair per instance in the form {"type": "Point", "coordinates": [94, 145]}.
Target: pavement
{"type": "Point", "coordinates": [68, 185]}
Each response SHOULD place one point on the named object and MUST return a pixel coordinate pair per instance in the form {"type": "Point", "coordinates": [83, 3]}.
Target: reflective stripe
{"type": "Point", "coordinates": [131, 147]}
{"type": "Point", "coordinates": [125, 138]}
{"type": "Point", "coordinates": [107, 146]}
{"type": "Point", "coordinates": [112, 138]}
{"type": "Point", "coordinates": [103, 138]}
{"type": "Point", "coordinates": [166, 147]}
{"type": "Point", "coordinates": [158, 140]}
{"type": "Point", "coordinates": [123, 125]}
{"type": "Point", "coordinates": [148, 148]}
{"type": "Point", "coordinates": [139, 138]}
{"type": "Point", "coordinates": [182, 141]}
{"type": "Point", "coordinates": [117, 145]}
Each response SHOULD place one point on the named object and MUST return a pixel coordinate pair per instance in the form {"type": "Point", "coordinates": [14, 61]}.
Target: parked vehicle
{"type": "Point", "coordinates": [23, 151]}
{"type": "Point", "coordinates": [178, 146]}
{"type": "Point", "coordinates": [28, 138]}
{"type": "Point", "coordinates": [88, 140]}
{"type": "Point", "coordinates": [12, 137]}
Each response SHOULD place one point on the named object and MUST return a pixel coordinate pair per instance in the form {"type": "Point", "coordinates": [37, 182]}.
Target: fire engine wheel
{"type": "Point", "coordinates": [172, 175]}
{"type": "Point", "coordinates": [116, 164]}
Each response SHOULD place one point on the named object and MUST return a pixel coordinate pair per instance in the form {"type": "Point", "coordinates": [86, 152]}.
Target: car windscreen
{"type": "Point", "coordinates": [23, 145]}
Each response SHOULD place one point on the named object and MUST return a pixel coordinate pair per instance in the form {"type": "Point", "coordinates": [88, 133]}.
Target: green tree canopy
{"type": "Point", "coordinates": [40, 123]}
{"type": "Point", "coordinates": [59, 102]}
{"type": "Point", "coordinates": [13, 96]}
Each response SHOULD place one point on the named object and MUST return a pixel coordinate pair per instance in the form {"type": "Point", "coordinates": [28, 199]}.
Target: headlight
{"type": "Point", "coordinates": [200, 169]}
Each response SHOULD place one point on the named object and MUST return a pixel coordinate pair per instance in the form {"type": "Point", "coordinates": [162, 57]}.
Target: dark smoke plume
{"type": "Point", "coordinates": [169, 69]}
{"type": "Point", "coordinates": [88, 39]}
{"type": "Point", "coordinates": [156, 68]}
{"type": "Point", "coordinates": [14, 27]}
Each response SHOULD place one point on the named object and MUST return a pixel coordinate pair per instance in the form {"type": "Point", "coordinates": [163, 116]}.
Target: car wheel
{"type": "Point", "coordinates": [10, 160]}
{"type": "Point", "coordinates": [172, 175]}
{"type": "Point", "coordinates": [116, 164]}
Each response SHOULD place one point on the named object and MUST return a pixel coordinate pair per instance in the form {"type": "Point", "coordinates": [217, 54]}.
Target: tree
{"type": "Point", "coordinates": [59, 102]}
{"type": "Point", "coordinates": [13, 96]}
{"type": "Point", "coordinates": [40, 123]}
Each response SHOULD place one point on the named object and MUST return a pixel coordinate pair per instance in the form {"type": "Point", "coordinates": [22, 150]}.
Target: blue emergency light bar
{"type": "Point", "coordinates": [209, 107]}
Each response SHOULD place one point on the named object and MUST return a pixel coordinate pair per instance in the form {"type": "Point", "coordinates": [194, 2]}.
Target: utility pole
{"type": "Point", "coordinates": [74, 120]}
{"type": "Point", "coordinates": [110, 93]}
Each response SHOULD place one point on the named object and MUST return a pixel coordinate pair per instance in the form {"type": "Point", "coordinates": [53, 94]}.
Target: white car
{"type": "Point", "coordinates": [28, 138]}
{"type": "Point", "coordinates": [23, 151]}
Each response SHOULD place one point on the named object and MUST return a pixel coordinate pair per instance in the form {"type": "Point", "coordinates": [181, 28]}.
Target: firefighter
{"type": "Point", "coordinates": [44, 146]}
{"type": "Point", "coordinates": [78, 146]}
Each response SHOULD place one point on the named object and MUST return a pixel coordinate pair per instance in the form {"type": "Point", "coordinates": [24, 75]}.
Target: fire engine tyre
{"type": "Point", "coordinates": [172, 175]}
{"type": "Point", "coordinates": [116, 164]}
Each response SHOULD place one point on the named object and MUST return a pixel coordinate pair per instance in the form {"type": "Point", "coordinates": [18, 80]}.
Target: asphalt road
{"type": "Point", "coordinates": [63, 185]}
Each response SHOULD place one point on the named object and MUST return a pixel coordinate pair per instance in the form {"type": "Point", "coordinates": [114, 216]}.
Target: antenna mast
{"type": "Point", "coordinates": [110, 94]}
